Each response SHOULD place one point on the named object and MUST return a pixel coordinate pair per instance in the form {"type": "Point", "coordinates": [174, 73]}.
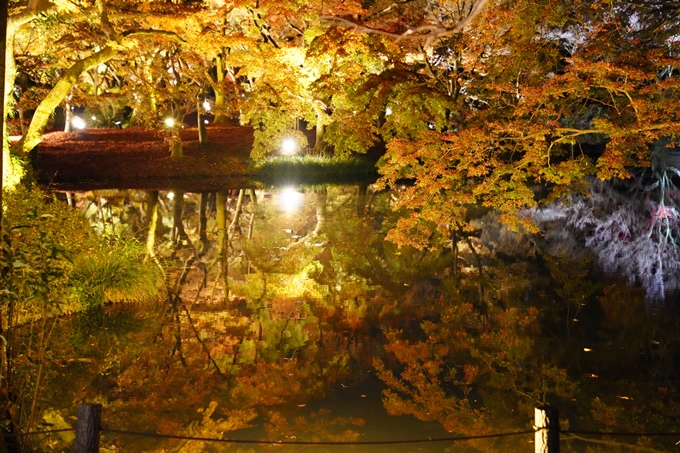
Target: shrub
{"type": "Point", "coordinates": [52, 262]}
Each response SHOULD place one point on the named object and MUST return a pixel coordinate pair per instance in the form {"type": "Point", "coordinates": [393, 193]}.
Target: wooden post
{"type": "Point", "coordinates": [547, 426]}
{"type": "Point", "coordinates": [87, 428]}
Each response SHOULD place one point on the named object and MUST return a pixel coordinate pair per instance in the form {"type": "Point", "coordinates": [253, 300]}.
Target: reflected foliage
{"type": "Point", "coordinates": [324, 318]}
{"type": "Point", "coordinates": [630, 227]}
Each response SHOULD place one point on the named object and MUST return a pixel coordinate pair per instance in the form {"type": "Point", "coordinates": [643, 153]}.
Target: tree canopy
{"type": "Point", "coordinates": [477, 102]}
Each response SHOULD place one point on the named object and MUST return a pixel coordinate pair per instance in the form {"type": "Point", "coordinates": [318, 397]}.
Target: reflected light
{"type": "Point", "coordinates": [288, 146]}
{"type": "Point", "coordinates": [388, 111]}
{"type": "Point", "coordinates": [78, 122]}
{"type": "Point", "coordinates": [206, 106]}
{"type": "Point", "coordinates": [290, 200]}
{"type": "Point", "coordinates": [169, 122]}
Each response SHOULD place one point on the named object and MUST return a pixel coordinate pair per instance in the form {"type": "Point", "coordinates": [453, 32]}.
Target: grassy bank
{"type": "Point", "coordinates": [314, 170]}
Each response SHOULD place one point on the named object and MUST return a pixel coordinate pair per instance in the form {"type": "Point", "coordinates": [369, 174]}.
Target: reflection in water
{"type": "Point", "coordinates": [289, 199]}
{"type": "Point", "coordinates": [312, 328]}
{"type": "Point", "coordinates": [630, 226]}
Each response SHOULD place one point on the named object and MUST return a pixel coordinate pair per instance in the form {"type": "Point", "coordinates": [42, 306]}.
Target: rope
{"type": "Point", "coordinates": [597, 433]}
{"type": "Point", "coordinates": [37, 432]}
{"type": "Point", "coordinates": [328, 443]}
{"type": "Point", "coordinates": [284, 442]}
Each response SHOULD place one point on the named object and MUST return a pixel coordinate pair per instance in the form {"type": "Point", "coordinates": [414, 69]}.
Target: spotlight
{"type": "Point", "coordinates": [78, 122]}
{"type": "Point", "coordinates": [288, 146]}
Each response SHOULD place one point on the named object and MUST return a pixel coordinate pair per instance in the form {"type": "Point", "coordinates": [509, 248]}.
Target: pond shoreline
{"type": "Point", "coordinates": [139, 158]}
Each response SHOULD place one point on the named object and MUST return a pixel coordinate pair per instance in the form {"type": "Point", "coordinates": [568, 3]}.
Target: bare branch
{"type": "Point", "coordinates": [430, 33]}
{"type": "Point", "coordinates": [151, 32]}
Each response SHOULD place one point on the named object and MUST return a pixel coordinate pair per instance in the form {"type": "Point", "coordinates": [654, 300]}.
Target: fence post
{"type": "Point", "coordinates": [547, 426]}
{"type": "Point", "coordinates": [88, 427]}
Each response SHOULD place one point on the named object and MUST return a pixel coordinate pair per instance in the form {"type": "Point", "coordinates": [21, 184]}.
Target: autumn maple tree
{"type": "Point", "coordinates": [549, 93]}
{"type": "Point", "coordinates": [477, 102]}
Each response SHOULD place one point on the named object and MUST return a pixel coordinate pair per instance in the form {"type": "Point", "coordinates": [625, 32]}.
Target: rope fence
{"type": "Point", "coordinates": [321, 443]}
{"type": "Point", "coordinates": [546, 430]}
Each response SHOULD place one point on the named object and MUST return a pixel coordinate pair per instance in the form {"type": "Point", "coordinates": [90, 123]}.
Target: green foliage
{"type": "Point", "coordinates": [40, 237]}
{"type": "Point", "coordinates": [50, 253]}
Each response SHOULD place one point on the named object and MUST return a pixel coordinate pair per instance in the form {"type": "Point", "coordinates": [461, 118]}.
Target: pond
{"type": "Point", "coordinates": [290, 318]}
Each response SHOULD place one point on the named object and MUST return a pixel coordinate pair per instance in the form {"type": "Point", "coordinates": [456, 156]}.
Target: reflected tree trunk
{"type": "Point", "coordinates": [203, 222]}
{"type": "Point", "coordinates": [361, 199]}
{"type": "Point", "coordinates": [152, 215]}
{"type": "Point", "coordinates": [369, 202]}
{"type": "Point", "coordinates": [222, 241]}
{"type": "Point", "coordinates": [234, 226]}
{"type": "Point", "coordinates": [253, 202]}
{"type": "Point", "coordinates": [321, 210]}
{"type": "Point", "coordinates": [178, 232]}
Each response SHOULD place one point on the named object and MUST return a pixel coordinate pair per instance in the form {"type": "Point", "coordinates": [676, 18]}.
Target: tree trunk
{"type": "Point", "coordinates": [59, 92]}
{"type": "Point", "coordinates": [320, 130]}
{"type": "Point", "coordinates": [202, 131]}
{"type": "Point", "coordinates": [68, 117]}
{"type": "Point", "coordinates": [220, 97]}
{"type": "Point", "coordinates": [8, 171]}
{"type": "Point", "coordinates": [176, 151]}
{"type": "Point", "coordinates": [3, 47]}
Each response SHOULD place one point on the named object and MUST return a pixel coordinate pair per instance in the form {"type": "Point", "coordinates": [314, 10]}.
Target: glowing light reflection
{"type": "Point", "coordinates": [289, 200]}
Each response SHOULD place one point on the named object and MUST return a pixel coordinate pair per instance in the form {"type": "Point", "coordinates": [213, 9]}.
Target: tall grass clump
{"type": "Point", "coordinates": [115, 274]}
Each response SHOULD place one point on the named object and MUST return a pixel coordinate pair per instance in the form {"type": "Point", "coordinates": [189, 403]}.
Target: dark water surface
{"type": "Point", "coordinates": [329, 333]}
